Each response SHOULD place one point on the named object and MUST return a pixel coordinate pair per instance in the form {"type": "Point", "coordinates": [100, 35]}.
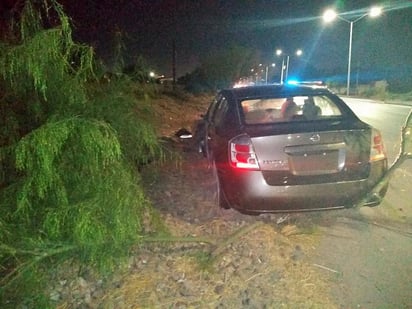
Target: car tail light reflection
{"type": "Point", "coordinates": [242, 154]}
{"type": "Point", "coordinates": [377, 150]}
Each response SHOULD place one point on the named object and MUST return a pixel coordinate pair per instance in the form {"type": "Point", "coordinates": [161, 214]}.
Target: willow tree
{"type": "Point", "coordinates": [68, 144]}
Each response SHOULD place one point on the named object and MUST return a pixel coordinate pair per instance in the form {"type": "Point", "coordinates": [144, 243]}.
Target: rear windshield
{"type": "Point", "coordinates": [298, 108]}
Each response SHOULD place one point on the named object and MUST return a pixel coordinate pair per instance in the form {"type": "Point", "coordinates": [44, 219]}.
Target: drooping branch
{"type": "Point", "coordinates": [36, 257]}
{"type": "Point", "coordinates": [236, 235]}
{"type": "Point", "coordinates": [217, 247]}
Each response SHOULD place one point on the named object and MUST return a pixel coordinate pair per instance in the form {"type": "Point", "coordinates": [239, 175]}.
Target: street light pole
{"type": "Point", "coordinates": [351, 22]}
{"type": "Point", "coordinates": [349, 58]}
{"type": "Point", "coordinates": [281, 70]}
{"type": "Point", "coordinates": [285, 67]}
{"type": "Point", "coordinates": [267, 72]}
{"type": "Point", "coordinates": [330, 15]}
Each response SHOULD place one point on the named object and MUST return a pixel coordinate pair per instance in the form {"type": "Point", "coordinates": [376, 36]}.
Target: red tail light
{"type": "Point", "coordinates": [241, 152]}
{"type": "Point", "coordinates": [377, 149]}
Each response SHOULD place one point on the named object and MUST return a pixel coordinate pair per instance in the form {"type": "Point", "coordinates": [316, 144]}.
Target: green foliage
{"type": "Point", "coordinates": [43, 59]}
{"type": "Point", "coordinates": [40, 72]}
{"type": "Point", "coordinates": [134, 129]}
{"type": "Point", "coordinates": [138, 71]}
{"type": "Point", "coordinates": [69, 151]}
{"type": "Point", "coordinates": [31, 281]}
{"type": "Point", "coordinates": [400, 97]}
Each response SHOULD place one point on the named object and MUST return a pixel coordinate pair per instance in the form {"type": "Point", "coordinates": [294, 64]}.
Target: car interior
{"type": "Point", "coordinates": [301, 108]}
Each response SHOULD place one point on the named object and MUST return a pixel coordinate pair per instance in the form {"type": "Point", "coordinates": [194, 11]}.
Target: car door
{"type": "Point", "coordinates": [201, 134]}
{"type": "Point", "coordinates": [215, 141]}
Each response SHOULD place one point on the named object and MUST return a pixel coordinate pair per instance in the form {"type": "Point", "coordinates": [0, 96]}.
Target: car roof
{"type": "Point", "coordinates": [284, 90]}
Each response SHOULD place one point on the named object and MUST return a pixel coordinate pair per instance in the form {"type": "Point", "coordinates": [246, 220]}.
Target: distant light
{"type": "Point", "coordinates": [329, 15]}
{"type": "Point", "coordinates": [375, 11]}
{"type": "Point", "coordinates": [298, 52]}
{"type": "Point", "coordinates": [293, 82]}
{"type": "Point", "coordinates": [242, 84]}
{"type": "Point", "coordinates": [152, 74]}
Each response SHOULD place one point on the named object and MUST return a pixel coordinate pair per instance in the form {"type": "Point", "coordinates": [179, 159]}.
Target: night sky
{"type": "Point", "coordinates": [380, 46]}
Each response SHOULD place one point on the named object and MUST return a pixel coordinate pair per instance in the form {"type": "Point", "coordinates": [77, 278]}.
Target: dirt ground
{"type": "Point", "coordinates": [352, 258]}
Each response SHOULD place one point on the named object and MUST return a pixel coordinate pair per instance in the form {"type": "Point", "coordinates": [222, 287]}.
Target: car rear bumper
{"type": "Point", "coordinates": [249, 192]}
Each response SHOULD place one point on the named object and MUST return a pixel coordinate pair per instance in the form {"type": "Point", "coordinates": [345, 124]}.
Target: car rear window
{"type": "Point", "coordinates": [297, 108]}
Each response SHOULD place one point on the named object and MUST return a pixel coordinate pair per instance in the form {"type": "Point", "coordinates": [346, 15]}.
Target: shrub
{"type": "Point", "coordinates": [69, 146]}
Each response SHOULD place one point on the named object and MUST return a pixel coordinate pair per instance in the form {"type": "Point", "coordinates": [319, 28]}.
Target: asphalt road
{"type": "Point", "coordinates": [388, 118]}
{"type": "Point", "coordinates": [367, 252]}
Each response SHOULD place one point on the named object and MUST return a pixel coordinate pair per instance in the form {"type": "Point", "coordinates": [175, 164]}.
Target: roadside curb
{"type": "Point", "coordinates": [407, 103]}
{"type": "Point", "coordinates": [392, 102]}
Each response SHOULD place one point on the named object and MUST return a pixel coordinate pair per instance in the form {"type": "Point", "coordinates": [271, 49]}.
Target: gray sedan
{"type": "Point", "coordinates": [289, 148]}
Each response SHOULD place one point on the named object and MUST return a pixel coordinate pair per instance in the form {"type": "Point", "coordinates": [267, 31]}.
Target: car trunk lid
{"type": "Point", "coordinates": [323, 156]}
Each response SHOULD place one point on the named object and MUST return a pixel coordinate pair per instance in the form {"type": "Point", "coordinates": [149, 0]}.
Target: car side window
{"type": "Point", "coordinates": [220, 111]}
{"type": "Point", "coordinates": [328, 108]}
{"type": "Point", "coordinates": [212, 107]}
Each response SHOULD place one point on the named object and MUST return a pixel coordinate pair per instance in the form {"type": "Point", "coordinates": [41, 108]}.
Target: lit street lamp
{"type": "Point", "coordinates": [261, 73]}
{"type": "Point", "coordinates": [279, 52]}
{"type": "Point", "coordinates": [267, 71]}
{"type": "Point", "coordinates": [330, 15]}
